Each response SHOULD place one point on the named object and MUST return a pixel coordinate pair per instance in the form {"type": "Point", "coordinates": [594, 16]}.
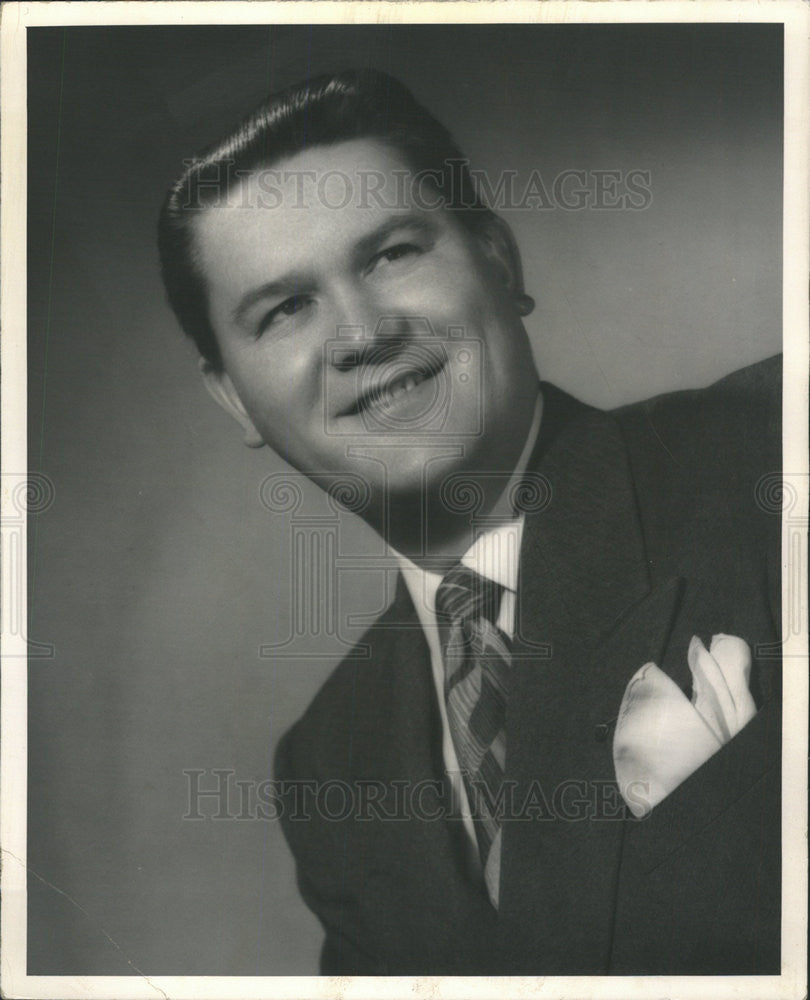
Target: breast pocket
{"type": "Point", "coordinates": [727, 778]}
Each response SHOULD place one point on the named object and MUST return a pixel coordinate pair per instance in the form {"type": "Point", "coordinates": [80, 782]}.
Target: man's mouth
{"type": "Point", "coordinates": [406, 376]}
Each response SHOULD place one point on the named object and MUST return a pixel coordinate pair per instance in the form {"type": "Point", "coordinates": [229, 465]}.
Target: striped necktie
{"type": "Point", "coordinates": [476, 674]}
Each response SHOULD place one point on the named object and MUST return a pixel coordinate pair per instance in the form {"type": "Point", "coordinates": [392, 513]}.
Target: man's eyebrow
{"type": "Point", "coordinates": [414, 223]}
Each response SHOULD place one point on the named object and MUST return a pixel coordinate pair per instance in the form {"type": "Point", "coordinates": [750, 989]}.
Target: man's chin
{"type": "Point", "coordinates": [402, 469]}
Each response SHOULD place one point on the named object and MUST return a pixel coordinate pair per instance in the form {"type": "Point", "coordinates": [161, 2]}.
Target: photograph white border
{"type": "Point", "coordinates": [16, 18]}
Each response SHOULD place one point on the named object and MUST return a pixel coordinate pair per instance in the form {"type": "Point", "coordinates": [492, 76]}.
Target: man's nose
{"type": "Point", "coordinates": [374, 339]}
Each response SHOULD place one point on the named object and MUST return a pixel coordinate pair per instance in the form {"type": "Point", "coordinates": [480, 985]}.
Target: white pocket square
{"type": "Point", "coordinates": [662, 737]}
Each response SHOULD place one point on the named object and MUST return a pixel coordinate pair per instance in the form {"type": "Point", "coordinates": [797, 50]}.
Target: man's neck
{"type": "Point", "coordinates": [439, 534]}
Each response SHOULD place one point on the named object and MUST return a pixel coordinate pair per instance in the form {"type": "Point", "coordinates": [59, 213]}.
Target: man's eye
{"type": "Point", "coordinates": [289, 307]}
{"type": "Point", "coordinates": [394, 253]}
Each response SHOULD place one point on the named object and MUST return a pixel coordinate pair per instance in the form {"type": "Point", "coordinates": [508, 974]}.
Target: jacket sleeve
{"type": "Point", "coordinates": [315, 844]}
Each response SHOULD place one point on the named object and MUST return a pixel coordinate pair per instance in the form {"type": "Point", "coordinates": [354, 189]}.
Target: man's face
{"type": "Point", "coordinates": [373, 338]}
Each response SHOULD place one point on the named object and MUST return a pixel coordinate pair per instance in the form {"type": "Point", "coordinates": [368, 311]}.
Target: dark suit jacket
{"type": "Point", "coordinates": [658, 528]}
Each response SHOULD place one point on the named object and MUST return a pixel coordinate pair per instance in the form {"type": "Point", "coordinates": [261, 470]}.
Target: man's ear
{"type": "Point", "coordinates": [221, 389]}
{"type": "Point", "coordinates": [500, 247]}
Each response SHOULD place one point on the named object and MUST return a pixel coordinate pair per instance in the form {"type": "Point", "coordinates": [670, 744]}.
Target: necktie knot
{"type": "Point", "coordinates": [465, 595]}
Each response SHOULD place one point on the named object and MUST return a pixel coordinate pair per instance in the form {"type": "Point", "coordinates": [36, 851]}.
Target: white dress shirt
{"type": "Point", "coordinates": [494, 554]}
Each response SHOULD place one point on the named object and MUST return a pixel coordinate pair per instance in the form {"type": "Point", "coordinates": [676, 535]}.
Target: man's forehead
{"type": "Point", "coordinates": [326, 199]}
{"type": "Point", "coordinates": [357, 173]}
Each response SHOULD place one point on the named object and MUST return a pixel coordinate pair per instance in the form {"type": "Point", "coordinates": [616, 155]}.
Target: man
{"type": "Point", "coordinates": [588, 789]}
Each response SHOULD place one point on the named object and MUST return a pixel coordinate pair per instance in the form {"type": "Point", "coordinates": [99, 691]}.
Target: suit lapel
{"type": "Point", "coordinates": [416, 865]}
{"type": "Point", "coordinates": [584, 595]}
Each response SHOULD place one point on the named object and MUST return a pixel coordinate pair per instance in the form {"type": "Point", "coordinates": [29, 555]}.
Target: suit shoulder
{"type": "Point", "coordinates": [733, 424]}
{"type": "Point", "coordinates": [758, 386]}
{"type": "Point", "coordinates": [353, 691]}
{"type": "Point", "coordinates": [699, 461]}
{"type": "Point", "coordinates": [329, 712]}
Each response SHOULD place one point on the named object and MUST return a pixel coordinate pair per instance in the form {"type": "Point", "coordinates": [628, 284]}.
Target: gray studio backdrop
{"type": "Point", "coordinates": [159, 569]}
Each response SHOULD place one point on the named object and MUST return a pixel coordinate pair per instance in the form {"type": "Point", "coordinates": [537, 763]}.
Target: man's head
{"type": "Point", "coordinates": [354, 304]}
